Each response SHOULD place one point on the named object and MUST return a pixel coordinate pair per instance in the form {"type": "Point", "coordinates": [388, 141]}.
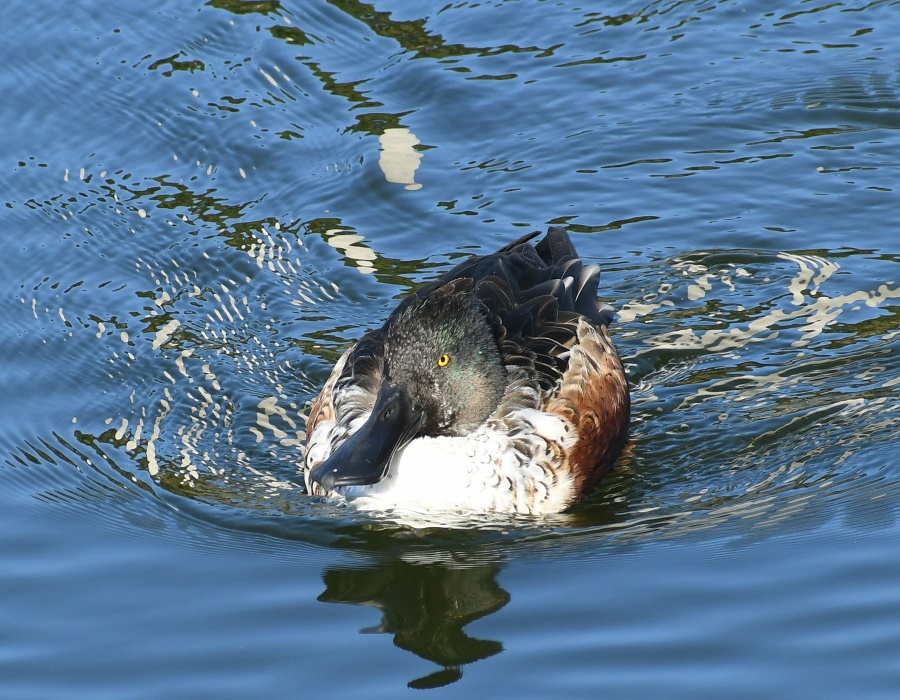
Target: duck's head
{"type": "Point", "coordinates": [442, 375]}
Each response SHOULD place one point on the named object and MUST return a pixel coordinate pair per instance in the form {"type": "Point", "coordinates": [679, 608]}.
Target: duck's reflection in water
{"type": "Point", "coordinates": [425, 606]}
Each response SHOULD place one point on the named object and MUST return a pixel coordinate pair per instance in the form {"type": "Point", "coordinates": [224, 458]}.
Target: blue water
{"type": "Point", "coordinates": [205, 203]}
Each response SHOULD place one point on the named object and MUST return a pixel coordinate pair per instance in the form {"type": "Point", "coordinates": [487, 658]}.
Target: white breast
{"type": "Point", "coordinates": [487, 471]}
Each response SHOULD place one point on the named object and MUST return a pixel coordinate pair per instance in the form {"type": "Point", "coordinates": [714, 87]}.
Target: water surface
{"type": "Point", "coordinates": [205, 203]}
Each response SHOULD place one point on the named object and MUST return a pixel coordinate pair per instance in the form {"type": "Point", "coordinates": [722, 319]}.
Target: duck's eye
{"type": "Point", "coordinates": [444, 360]}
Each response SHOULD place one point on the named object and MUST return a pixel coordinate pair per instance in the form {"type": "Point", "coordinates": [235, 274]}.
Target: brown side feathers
{"type": "Point", "coordinates": [594, 397]}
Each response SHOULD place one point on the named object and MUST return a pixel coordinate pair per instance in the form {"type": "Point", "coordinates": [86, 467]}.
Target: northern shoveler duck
{"type": "Point", "coordinates": [493, 389]}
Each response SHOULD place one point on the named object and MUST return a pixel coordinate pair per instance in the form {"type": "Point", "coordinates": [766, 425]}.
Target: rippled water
{"type": "Point", "coordinates": [206, 202]}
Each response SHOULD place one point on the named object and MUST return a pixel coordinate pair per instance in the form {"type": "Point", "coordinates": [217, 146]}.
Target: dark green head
{"type": "Point", "coordinates": [445, 351]}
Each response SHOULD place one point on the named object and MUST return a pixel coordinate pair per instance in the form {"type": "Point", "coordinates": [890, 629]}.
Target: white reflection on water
{"type": "Point", "coordinates": [399, 159]}
{"type": "Point", "coordinates": [349, 245]}
{"type": "Point", "coordinates": [816, 309]}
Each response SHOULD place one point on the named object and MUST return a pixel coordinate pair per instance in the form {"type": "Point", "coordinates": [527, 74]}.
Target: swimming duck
{"type": "Point", "coordinates": [496, 388]}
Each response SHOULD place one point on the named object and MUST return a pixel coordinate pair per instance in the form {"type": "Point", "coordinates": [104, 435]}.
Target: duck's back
{"type": "Point", "coordinates": [521, 275]}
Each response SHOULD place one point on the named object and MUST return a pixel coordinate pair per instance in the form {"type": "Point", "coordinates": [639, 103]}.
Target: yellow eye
{"type": "Point", "coordinates": [444, 360]}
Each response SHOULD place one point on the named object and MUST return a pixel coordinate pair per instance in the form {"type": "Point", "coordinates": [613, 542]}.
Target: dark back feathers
{"type": "Point", "coordinates": [533, 296]}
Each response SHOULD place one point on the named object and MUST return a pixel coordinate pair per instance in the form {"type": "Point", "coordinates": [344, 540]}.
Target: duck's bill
{"type": "Point", "coordinates": [364, 458]}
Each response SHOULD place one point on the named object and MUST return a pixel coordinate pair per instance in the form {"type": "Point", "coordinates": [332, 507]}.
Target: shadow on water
{"type": "Point", "coordinates": [425, 606]}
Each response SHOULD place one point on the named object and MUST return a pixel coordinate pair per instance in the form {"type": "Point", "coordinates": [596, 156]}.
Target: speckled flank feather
{"type": "Point", "coordinates": [560, 422]}
{"type": "Point", "coordinates": [593, 396]}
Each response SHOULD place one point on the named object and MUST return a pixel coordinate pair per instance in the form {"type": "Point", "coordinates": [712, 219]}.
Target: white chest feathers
{"type": "Point", "coordinates": [517, 466]}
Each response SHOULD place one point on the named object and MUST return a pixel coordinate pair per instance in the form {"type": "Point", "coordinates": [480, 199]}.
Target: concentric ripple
{"type": "Point", "coordinates": [763, 384]}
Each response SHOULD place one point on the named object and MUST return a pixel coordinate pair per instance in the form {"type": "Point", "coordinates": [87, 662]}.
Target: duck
{"type": "Point", "coordinates": [494, 389]}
